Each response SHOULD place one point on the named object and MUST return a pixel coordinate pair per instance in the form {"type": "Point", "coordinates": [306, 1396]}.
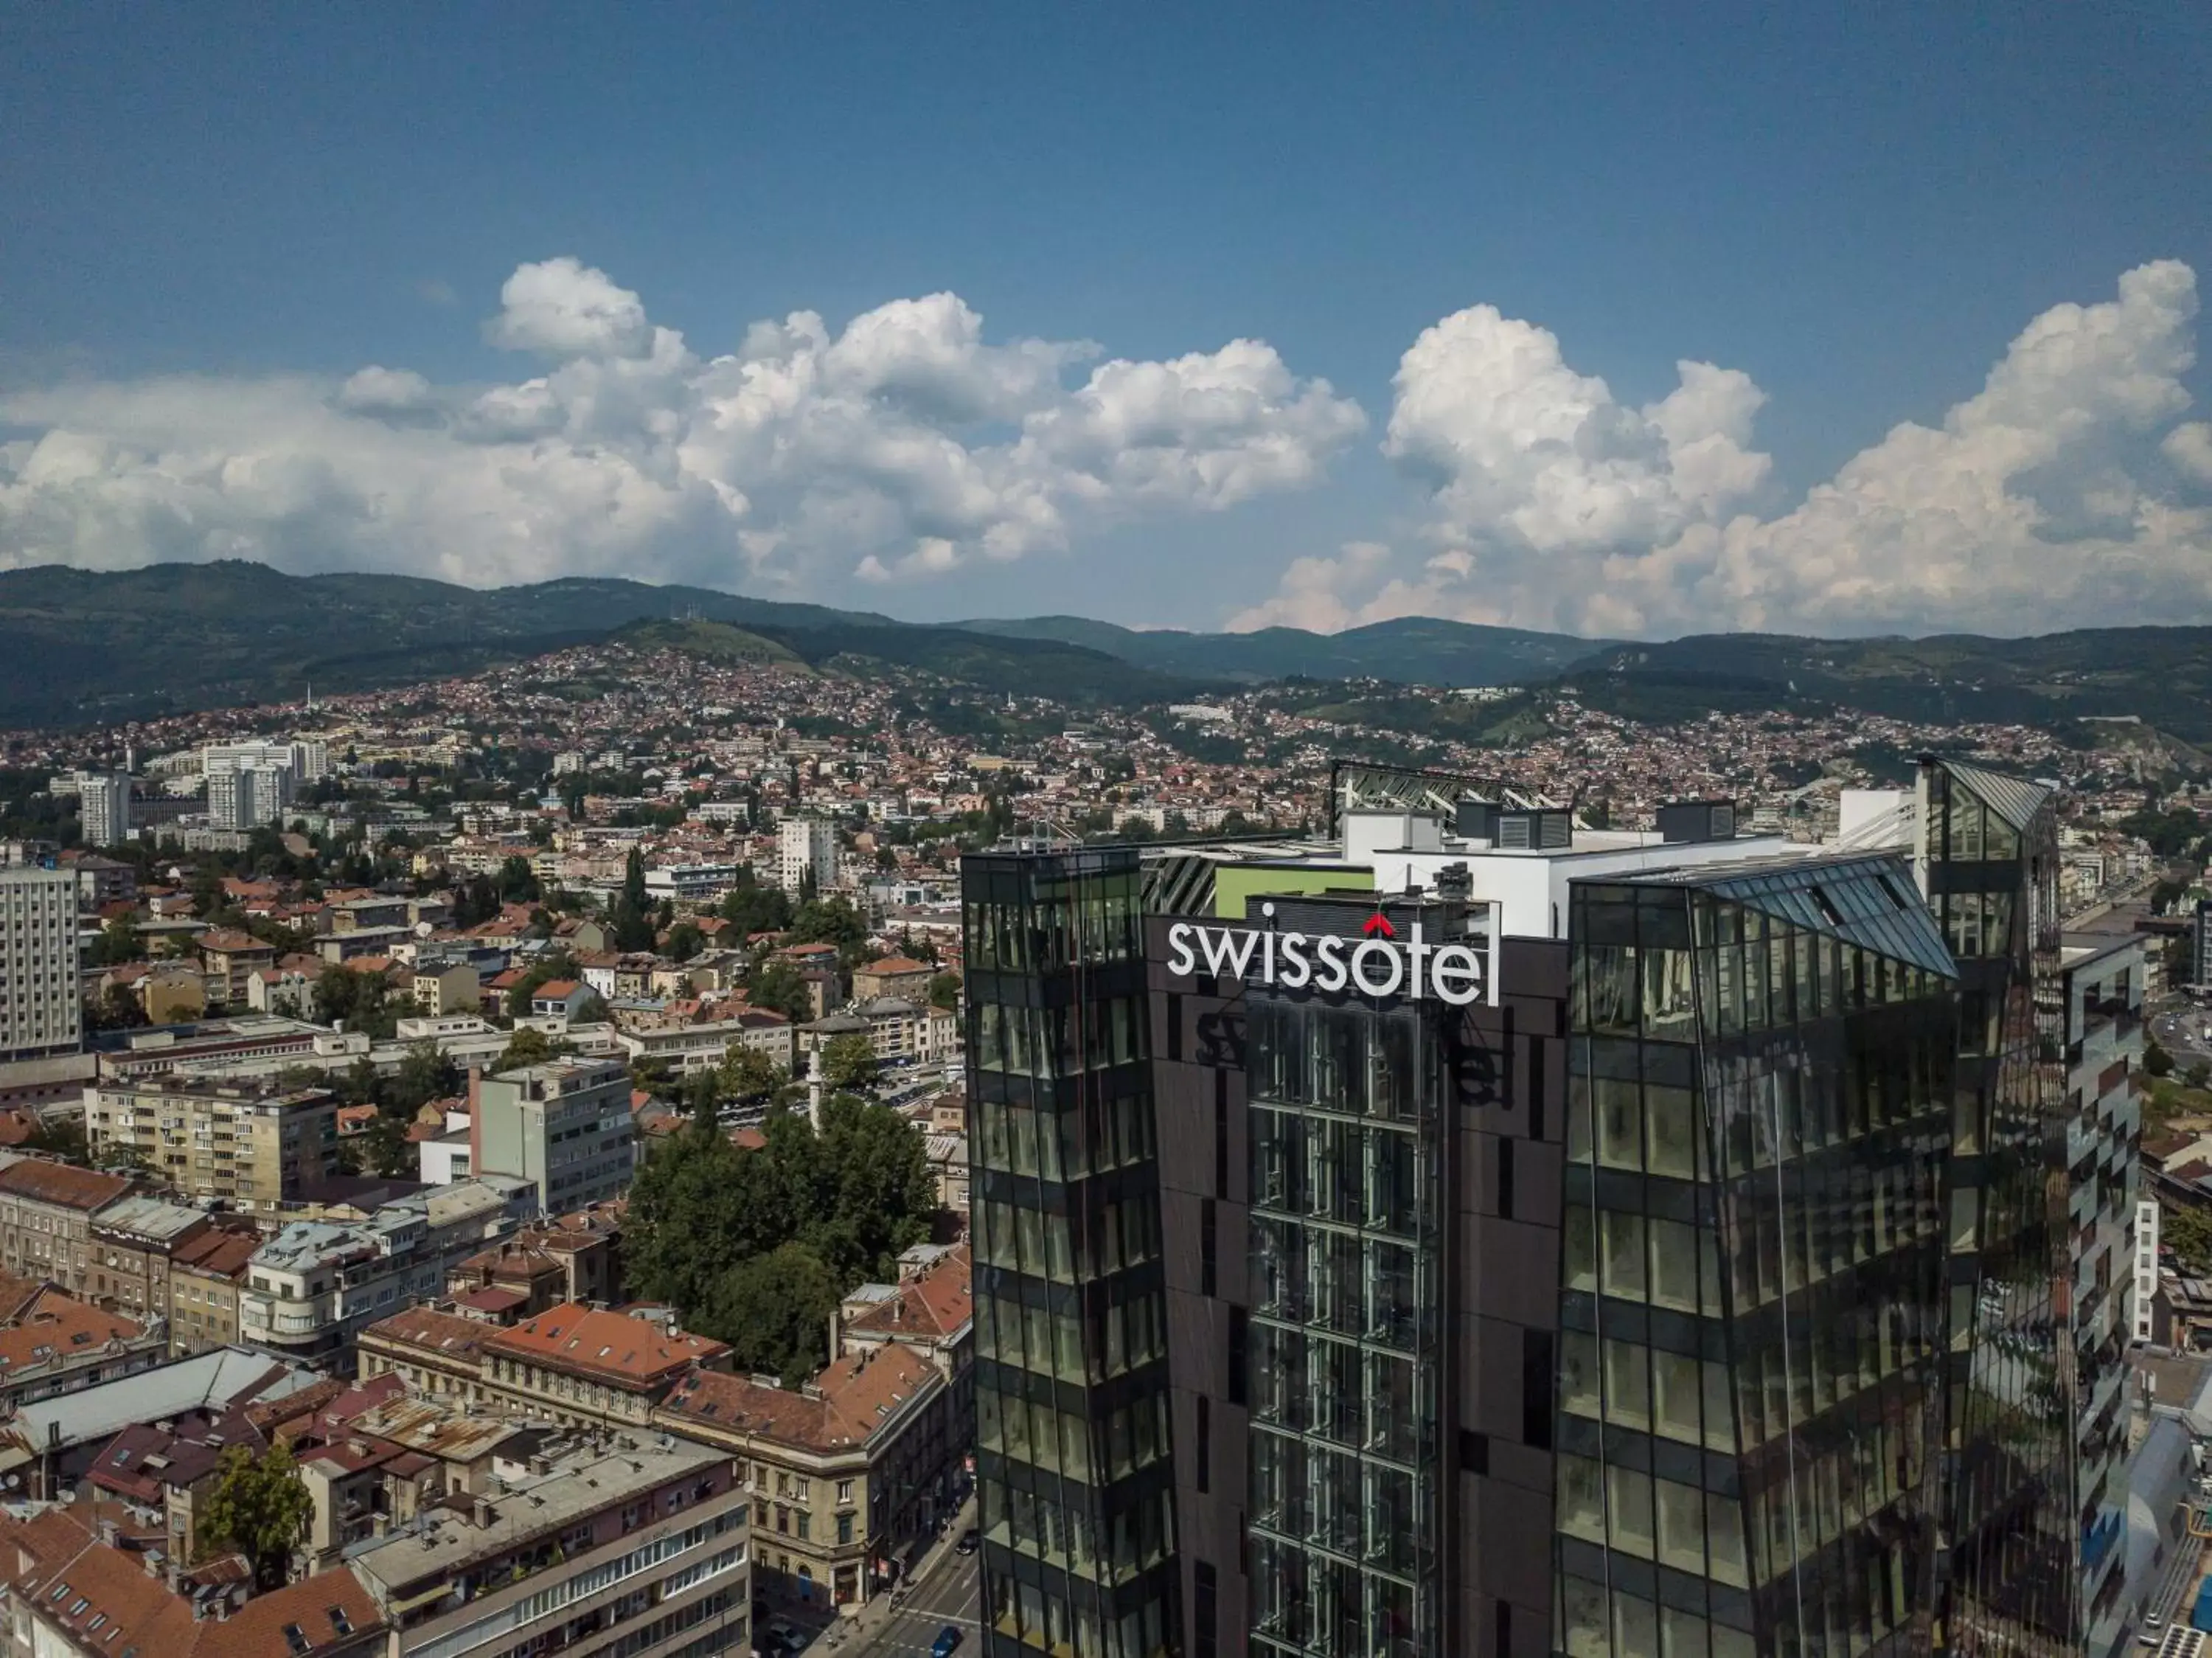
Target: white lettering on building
{"type": "Point", "coordinates": [1456, 974]}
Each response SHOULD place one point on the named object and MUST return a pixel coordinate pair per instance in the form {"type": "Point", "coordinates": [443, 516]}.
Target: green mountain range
{"type": "Point", "coordinates": [78, 647]}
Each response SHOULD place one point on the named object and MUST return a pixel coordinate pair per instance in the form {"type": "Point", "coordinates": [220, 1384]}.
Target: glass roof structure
{"type": "Point", "coordinates": [1867, 898]}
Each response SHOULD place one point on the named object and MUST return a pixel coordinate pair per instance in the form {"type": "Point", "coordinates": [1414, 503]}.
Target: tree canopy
{"type": "Point", "coordinates": [259, 1506]}
{"type": "Point", "coordinates": [848, 1062]}
{"type": "Point", "coordinates": [703, 1210]}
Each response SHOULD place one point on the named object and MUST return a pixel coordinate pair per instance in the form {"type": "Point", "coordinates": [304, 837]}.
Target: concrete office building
{"type": "Point", "coordinates": [103, 807]}
{"type": "Point", "coordinates": [804, 846]}
{"type": "Point", "coordinates": [1568, 1241]}
{"type": "Point", "coordinates": [564, 1125]}
{"type": "Point", "coordinates": [41, 1009]}
{"type": "Point", "coordinates": [2200, 943]}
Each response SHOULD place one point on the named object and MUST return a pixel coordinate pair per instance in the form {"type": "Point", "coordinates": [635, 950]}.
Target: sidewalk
{"type": "Point", "coordinates": [868, 1622]}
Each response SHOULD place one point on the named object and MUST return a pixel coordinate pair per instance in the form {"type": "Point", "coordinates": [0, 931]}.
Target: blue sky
{"type": "Point", "coordinates": [217, 215]}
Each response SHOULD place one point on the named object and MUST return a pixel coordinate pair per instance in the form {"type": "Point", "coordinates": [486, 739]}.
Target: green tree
{"type": "Point", "coordinates": [753, 908]}
{"type": "Point", "coordinates": [702, 1210]}
{"type": "Point", "coordinates": [529, 1047]}
{"type": "Point", "coordinates": [518, 881]}
{"type": "Point", "coordinates": [2156, 1061]}
{"type": "Point", "coordinates": [424, 1075]}
{"type": "Point", "coordinates": [2189, 1232]}
{"type": "Point", "coordinates": [684, 941]}
{"type": "Point", "coordinates": [631, 916]}
{"type": "Point", "coordinates": [777, 986]}
{"type": "Point", "coordinates": [774, 1311]}
{"type": "Point", "coordinates": [118, 942]}
{"type": "Point", "coordinates": [747, 1074]}
{"type": "Point", "coordinates": [2198, 1074]}
{"type": "Point", "coordinates": [359, 999]}
{"type": "Point", "coordinates": [945, 991]}
{"type": "Point", "coordinates": [258, 1507]}
{"type": "Point", "coordinates": [848, 1062]}
{"type": "Point", "coordinates": [829, 921]}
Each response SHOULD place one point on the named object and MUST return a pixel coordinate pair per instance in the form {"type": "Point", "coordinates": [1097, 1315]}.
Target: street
{"type": "Point", "coordinates": [2179, 1027]}
{"type": "Point", "coordinates": [946, 1592]}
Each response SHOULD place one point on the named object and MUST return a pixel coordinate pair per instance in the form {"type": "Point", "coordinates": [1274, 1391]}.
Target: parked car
{"type": "Point", "coordinates": [947, 1639]}
{"type": "Point", "coordinates": [970, 1540]}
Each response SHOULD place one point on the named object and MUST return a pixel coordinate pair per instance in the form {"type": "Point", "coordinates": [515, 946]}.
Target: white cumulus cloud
{"type": "Point", "coordinates": [904, 445]}
{"type": "Point", "coordinates": [2060, 494]}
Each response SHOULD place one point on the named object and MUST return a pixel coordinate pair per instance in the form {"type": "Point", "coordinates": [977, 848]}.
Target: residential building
{"type": "Point", "coordinates": [637, 1546]}
{"type": "Point", "coordinates": [690, 883]}
{"type": "Point", "coordinates": [2200, 942]}
{"type": "Point", "coordinates": [206, 1274]}
{"type": "Point", "coordinates": [52, 1344]}
{"type": "Point", "coordinates": [41, 1011]}
{"type": "Point", "coordinates": [78, 1589]}
{"type": "Point", "coordinates": [104, 808]}
{"type": "Point", "coordinates": [576, 1365]}
{"type": "Point", "coordinates": [52, 1444]}
{"type": "Point", "coordinates": [894, 976]}
{"type": "Point", "coordinates": [564, 1125]}
{"type": "Point", "coordinates": [253, 1143]}
{"type": "Point", "coordinates": [230, 960]}
{"type": "Point", "coordinates": [806, 851]}
{"type": "Point", "coordinates": [2146, 1269]}
{"type": "Point", "coordinates": [689, 1048]}
{"type": "Point", "coordinates": [45, 1219]}
{"type": "Point", "coordinates": [564, 998]}
{"type": "Point", "coordinates": [573, 1257]}
{"type": "Point", "coordinates": [847, 1474]}
{"type": "Point", "coordinates": [131, 1244]}
{"type": "Point", "coordinates": [312, 1286]}
{"type": "Point", "coordinates": [446, 989]}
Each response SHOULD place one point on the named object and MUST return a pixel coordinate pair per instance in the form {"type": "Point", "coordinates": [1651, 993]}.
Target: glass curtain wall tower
{"type": "Point", "coordinates": [1989, 856]}
{"type": "Point", "coordinates": [1348, 1118]}
{"type": "Point", "coordinates": [1073, 1464]}
{"type": "Point", "coordinates": [1750, 1408]}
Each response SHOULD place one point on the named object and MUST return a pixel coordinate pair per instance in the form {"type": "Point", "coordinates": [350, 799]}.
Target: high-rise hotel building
{"type": "Point", "coordinates": [1476, 1233]}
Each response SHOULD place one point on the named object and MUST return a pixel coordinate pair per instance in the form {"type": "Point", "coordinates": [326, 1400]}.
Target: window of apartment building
{"type": "Point", "coordinates": [798, 1491]}
{"type": "Point", "coordinates": [844, 1491]}
{"type": "Point", "coordinates": [844, 1528]}
{"type": "Point", "coordinates": [805, 1524]}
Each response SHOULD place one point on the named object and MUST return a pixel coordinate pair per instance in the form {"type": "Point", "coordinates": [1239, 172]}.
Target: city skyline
{"type": "Point", "coordinates": [1912, 361]}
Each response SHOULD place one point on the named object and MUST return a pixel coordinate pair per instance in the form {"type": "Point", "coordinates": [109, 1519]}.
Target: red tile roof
{"type": "Point", "coordinates": [62, 1184]}
{"type": "Point", "coordinates": [605, 1345]}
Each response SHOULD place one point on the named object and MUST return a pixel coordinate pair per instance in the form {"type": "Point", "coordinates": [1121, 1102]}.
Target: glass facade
{"type": "Point", "coordinates": [1073, 1465]}
{"type": "Point", "coordinates": [1750, 1402]}
{"type": "Point", "coordinates": [1347, 1117]}
{"type": "Point", "coordinates": [1989, 861]}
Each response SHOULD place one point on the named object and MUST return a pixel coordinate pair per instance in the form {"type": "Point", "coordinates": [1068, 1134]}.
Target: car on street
{"type": "Point", "coordinates": [948, 1638]}
{"type": "Point", "coordinates": [970, 1540]}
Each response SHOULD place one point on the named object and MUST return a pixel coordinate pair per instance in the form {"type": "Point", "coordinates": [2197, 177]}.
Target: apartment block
{"type": "Point", "coordinates": [614, 1544]}
{"type": "Point", "coordinates": [564, 1125]}
{"type": "Point", "coordinates": [45, 1219]}
{"type": "Point", "coordinates": [313, 1285]}
{"type": "Point", "coordinates": [103, 807]}
{"type": "Point", "coordinates": [41, 1009]}
{"type": "Point", "coordinates": [806, 847]}
{"type": "Point", "coordinates": [254, 1144]}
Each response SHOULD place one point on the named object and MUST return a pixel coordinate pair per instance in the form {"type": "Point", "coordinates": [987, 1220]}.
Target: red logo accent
{"type": "Point", "coordinates": [1378, 926]}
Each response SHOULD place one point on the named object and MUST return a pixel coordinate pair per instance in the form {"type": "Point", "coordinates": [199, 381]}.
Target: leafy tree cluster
{"type": "Point", "coordinates": [362, 1000]}
{"type": "Point", "coordinates": [631, 917]}
{"type": "Point", "coordinates": [258, 1507]}
{"type": "Point", "coordinates": [383, 1147]}
{"type": "Point", "coordinates": [753, 908]}
{"type": "Point", "coordinates": [777, 986]}
{"type": "Point", "coordinates": [2171, 834]}
{"type": "Point", "coordinates": [756, 1246]}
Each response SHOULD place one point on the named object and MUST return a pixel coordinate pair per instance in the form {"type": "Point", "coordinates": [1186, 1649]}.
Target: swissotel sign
{"type": "Point", "coordinates": [1377, 964]}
